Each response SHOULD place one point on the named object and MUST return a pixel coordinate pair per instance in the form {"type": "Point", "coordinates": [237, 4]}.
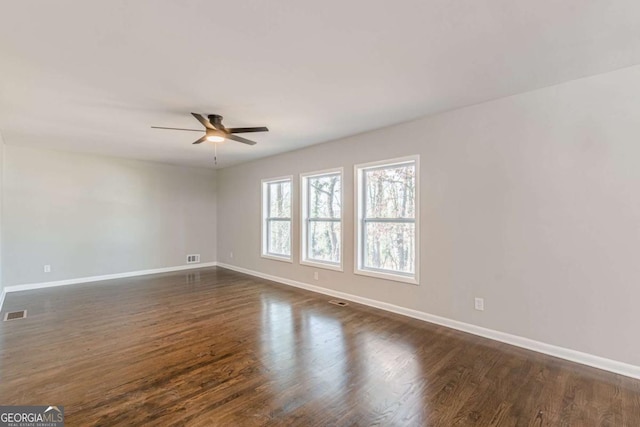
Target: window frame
{"type": "Point", "coordinates": [305, 221]}
{"type": "Point", "coordinates": [265, 219]}
{"type": "Point", "coordinates": [360, 221]}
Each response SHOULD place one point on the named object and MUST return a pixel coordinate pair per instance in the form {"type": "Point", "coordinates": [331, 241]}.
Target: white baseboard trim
{"type": "Point", "coordinates": [31, 286]}
{"type": "Point", "coordinates": [614, 366]}
{"type": "Point", "coordinates": [2, 294]}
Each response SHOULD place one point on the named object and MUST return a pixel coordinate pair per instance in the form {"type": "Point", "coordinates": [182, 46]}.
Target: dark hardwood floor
{"type": "Point", "coordinates": [213, 347]}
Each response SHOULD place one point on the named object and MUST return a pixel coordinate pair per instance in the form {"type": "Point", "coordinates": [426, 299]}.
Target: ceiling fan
{"type": "Point", "coordinates": [216, 132]}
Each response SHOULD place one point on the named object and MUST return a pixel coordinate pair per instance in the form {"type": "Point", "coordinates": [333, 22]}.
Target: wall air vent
{"type": "Point", "coordinates": [193, 259]}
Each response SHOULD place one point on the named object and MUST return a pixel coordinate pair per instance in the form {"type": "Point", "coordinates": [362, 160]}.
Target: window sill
{"type": "Point", "coordinates": [323, 265]}
{"type": "Point", "coordinates": [412, 280]}
{"type": "Point", "coordinates": [277, 258]}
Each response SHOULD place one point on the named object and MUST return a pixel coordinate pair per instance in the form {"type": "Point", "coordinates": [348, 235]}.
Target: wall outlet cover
{"type": "Point", "coordinates": [193, 259]}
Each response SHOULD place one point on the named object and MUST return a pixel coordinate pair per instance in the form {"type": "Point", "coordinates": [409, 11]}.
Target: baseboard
{"type": "Point", "coordinates": [31, 286]}
{"type": "Point", "coordinates": [2, 295]}
{"type": "Point", "coordinates": [614, 366]}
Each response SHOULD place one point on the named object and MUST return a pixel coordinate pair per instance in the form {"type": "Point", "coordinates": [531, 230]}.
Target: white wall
{"type": "Point", "coordinates": [529, 201]}
{"type": "Point", "coordinates": [89, 215]}
{"type": "Point", "coordinates": [1, 197]}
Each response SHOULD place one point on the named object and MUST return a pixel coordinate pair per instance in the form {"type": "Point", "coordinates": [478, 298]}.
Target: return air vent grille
{"type": "Point", "coordinates": [15, 315]}
{"type": "Point", "coordinates": [340, 303]}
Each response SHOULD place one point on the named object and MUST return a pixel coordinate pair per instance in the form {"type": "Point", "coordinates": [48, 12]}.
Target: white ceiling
{"type": "Point", "coordinates": [94, 76]}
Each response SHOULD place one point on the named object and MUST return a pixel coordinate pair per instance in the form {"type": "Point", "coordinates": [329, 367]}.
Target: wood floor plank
{"type": "Point", "coordinates": [213, 347]}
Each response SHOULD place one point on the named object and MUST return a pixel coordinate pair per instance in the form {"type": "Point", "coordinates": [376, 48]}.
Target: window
{"type": "Point", "coordinates": [387, 208]}
{"type": "Point", "coordinates": [322, 219]}
{"type": "Point", "coordinates": [276, 214]}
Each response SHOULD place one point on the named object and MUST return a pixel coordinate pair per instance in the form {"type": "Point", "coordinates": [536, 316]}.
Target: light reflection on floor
{"type": "Point", "coordinates": [363, 368]}
{"type": "Point", "coordinates": [391, 365]}
{"type": "Point", "coordinates": [278, 350]}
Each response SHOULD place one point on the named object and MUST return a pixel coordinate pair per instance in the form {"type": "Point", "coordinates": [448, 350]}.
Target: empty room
{"type": "Point", "coordinates": [296, 213]}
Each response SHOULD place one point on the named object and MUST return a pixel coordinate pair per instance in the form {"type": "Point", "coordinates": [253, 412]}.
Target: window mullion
{"type": "Point", "coordinates": [391, 220]}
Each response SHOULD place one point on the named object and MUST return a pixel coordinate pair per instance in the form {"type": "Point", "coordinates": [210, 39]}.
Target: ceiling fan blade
{"type": "Point", "coordinates": [240, 139]}
{"type": "Point", "coordinates": [202, 120]}
{"type": "Point", "coordinates": [191, 130]}
{"type": "Point", "coordinates": [201, 140]}
{"type": "Point", "coordinates": [247, 130]}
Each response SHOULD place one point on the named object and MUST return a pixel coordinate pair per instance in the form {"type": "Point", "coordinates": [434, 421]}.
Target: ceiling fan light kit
{"type": "Point", "coordinates": [213, 136]}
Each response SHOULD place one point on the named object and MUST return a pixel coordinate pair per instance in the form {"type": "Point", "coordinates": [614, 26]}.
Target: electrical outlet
{"type": "Point", "coordinates": [47, 268]}
{"type": "Point", "coordinates": [193, 258]}
{"type": "Point", "coordinates": [315, 275]}
{"type": "Point", "coordinates": [230, 254]}
{"type": "Point", "coordinates": [479, 304]}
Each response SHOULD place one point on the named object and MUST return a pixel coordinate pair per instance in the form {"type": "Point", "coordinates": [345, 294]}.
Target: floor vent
{"type": "Point", "coordinates": [340, 303]}
{"type": "Point", "coordinates": [15, 315]}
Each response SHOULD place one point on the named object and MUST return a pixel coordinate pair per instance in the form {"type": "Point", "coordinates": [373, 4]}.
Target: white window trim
{"type": "Point", "coordinates": [303, 221]}
{"type": "Point", "coordinates": [358, 215]}
{"type": "Point", "coordinates": [263, 219]}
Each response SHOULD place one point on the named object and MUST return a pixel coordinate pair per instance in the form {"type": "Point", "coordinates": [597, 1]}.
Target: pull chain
{"type": "Point", "coordinates": [215, 153]}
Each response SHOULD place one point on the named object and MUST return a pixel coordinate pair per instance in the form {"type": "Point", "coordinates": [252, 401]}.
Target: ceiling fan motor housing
{"type": "Point", "coordinates": [215, 119]}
